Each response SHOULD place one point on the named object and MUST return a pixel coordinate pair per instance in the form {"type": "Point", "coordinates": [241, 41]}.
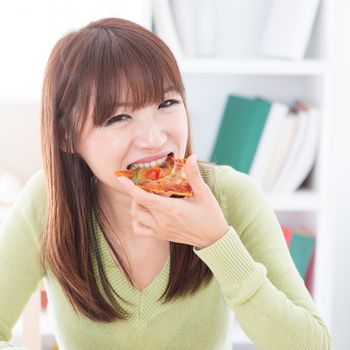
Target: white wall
{"type": "Point", "coordinates": [28, 32]}
{"type": "Point", "coordinates": [340, 178]}
{"type": "Point", "coordinates": [20, 139]}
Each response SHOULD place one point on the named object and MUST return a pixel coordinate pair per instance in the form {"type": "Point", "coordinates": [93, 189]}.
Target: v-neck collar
{"type": "Point", "coordinates": [140, 304]}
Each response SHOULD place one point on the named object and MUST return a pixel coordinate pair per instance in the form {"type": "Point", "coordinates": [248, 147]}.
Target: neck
{"type": "Point", "coordinates": [116, 207]}
{"type": "Point", "coordinates": [130, 248]}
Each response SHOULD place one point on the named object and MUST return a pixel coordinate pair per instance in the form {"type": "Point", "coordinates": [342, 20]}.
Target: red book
{"type": "Point", "coordinates": [310, 275]}
{"type": "Point", "coordinates": [287, 232]}
{"type": "Point", "coordinates": [43, 299]}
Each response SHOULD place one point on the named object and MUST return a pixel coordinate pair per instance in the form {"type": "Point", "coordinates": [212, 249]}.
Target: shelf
{"type": "Point", "coordinates": [17, 328]}
{"type": "Point", "coordinates": [252, 66]}
{"type": "Point", "coordinates": [302, 200]}
{"type": "Point", "coordinates": [46, 332]}
{"type": "Point", "coordinates": [238, 335]}
{"type": "Point", "coordinates": [46, 325]}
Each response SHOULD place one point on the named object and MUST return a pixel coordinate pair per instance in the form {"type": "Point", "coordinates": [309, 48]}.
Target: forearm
{"type": "Point", "coordinates": [268, 316]}
{"type": "Point", "coordinates": [272, 321]}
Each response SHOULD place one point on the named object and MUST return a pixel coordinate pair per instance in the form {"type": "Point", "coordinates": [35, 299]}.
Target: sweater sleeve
{"type": "Point", "coordinates": [256, 273]}
{"type": "Point", "coordinates": [20, 267]}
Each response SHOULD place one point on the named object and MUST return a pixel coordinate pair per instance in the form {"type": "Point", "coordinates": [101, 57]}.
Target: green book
{"type": "Point", "coordinates": [240, 131]}
{"type": "Point", "coordinates": [301, 249]}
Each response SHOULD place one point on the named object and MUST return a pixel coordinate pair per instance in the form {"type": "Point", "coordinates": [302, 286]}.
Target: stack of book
{"type": "Point", "coordinates": [198, 28]}
{"type": "Point", "coordinates": [301, 244]}
{"type": "Point", "coordinates": [43, 298]}
{"type": "Point", "coordinates": [275, 144]}
{"type": "Point", "coordinates": [44, 308]}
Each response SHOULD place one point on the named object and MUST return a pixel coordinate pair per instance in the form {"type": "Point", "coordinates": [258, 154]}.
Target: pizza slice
{"type": "Point", "coordinates": [166, 178]}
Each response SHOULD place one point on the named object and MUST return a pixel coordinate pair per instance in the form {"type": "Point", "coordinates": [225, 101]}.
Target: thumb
{"type": "Point", "coordinates": [127, 184]}
{"type": "Point", "coordinates": [194, 176]}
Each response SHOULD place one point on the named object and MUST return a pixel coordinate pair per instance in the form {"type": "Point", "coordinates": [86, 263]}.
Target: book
{"type": "Point", "coordinates": [301, 250]}
{"type": "Point", "coordinates": [288, 28]}
{"type": "Point", "coordinates": [43, 300]}
{"type": "Point", "coordinates": [287, 233]}
{"type": "Point", "coordinates": [272, 129]}
{"type": "Point", "coordinates": [239, 133]}
{"type": "Point", "coordinates": [307, 156]}
{"type": "Point", "coordinates": [292, 155]}
{"type": "Point", "coordinates": [205, 27]}
{"type": "Point", "coordinates": [302, 253]}
{"type": "Point", "coordinates": [310, 274]}
{"type": "Point", "coordinates": [302, 154]}
{"type": "Point", "coordinates": [280, 151]}
{"type": "Point", "coordinates": [184, 25]}
{"type": "Point", "coordinates": [164, 26]}
{"type": "Point", "coordinates": [43, 296]}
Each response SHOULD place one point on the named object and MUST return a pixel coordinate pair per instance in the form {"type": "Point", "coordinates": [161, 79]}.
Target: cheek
{"type": "Point", "coordinates": [99, 153]}
{"type": "Point", "coordinates": [178, 119]}
{"type": "Point", "coordinates": [180, 130]}
{"type": "Point", "coordinates": [184, 127]}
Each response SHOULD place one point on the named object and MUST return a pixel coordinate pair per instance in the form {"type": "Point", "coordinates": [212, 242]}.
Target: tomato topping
{"type": "Point", "coordinates": [154, 174]}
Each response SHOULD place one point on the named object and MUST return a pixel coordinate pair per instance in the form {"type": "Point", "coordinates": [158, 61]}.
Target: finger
{"type": "Point", "coordinates": [194, 177]}
{"type": "Point", "coordinates": [142, 230]}
{"type": "Point", "coordinates": [145, 198]}
{"type": "Point", "coordinates": [135, 206]}
{"type": "Point", "coordinates": [142, 215]}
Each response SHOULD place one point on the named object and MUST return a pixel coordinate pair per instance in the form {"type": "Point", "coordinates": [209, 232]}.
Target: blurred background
{"type": "Point", "coordinates": [266, 84]}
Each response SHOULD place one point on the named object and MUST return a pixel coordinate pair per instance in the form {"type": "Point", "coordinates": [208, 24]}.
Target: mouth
{"type": "Point", "coordinates": [170, 155]}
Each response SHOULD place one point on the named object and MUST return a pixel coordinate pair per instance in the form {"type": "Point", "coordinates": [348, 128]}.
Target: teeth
{"type": "Point", "coordinates": [149, 164]}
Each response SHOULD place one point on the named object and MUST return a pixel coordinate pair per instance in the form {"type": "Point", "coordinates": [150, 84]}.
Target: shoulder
{"type": "Point", "coordinates": [34, 189]}
{"type": "Point", "coordinates": [238, 194]}
{"type": "Point", "coordinates": [36, 182]}
{"type": "Point", "coordinates": [225, 180]}
{"type": "Point", "coordinates": [32, 200]}
{"type": "Point", "coordinates": [25, 219]}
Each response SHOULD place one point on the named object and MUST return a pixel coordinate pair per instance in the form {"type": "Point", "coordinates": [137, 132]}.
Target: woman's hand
{"type": "Point", "coordinates": [197, 220]}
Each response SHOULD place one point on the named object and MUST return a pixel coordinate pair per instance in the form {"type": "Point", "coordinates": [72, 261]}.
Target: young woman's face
{"type": "Point", "coordinates": [128, 136]}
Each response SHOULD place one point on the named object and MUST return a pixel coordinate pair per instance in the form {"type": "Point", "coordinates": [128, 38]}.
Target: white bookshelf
{"type": "Point", "coordinates": [303, 200]}
{"type": "Point", "coordinates": [253, 66]}
{"type": "Point", "coordinates": [34, 329]}
{"type": "Point", "coordinates": [46, 325]}
{"type": "Point", "coordinates": [208, 81]}
{"type": "Point", "coordinates": [211, 79]}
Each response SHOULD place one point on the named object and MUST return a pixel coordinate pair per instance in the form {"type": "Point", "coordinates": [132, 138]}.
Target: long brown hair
{"type": "Point", "coordinates": [87, 75]}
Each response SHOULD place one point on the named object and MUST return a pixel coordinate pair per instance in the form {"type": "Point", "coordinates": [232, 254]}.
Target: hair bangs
{"type": "Point", "coordinates": [132, 76]}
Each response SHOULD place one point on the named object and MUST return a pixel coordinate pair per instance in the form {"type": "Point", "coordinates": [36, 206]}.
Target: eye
{"type": "Point", "coordinates": [168, 103]}
{"type": "Point", "coordinates": [117, 118]}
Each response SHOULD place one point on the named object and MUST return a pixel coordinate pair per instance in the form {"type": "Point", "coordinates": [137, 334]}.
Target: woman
{"type": "Point", "coordinates": [129, 269]}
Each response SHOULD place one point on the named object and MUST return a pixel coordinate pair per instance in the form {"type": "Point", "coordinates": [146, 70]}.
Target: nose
{"type": "Point", "coordinates": [149, 133]}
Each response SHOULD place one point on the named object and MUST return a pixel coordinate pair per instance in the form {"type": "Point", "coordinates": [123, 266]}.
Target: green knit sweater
{"type": "Point", "coordinates": [254, 276]}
